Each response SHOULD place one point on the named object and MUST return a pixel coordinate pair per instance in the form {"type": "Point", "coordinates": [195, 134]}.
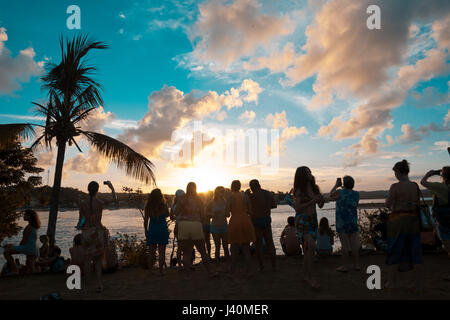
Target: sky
{"type": "Point", "coordinates": [212, 91]}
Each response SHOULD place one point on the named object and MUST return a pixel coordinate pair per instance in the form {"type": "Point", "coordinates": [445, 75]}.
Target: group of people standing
{"type": "Point", "coordinates": [249, 223]}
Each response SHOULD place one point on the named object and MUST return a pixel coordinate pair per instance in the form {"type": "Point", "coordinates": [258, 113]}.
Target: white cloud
{"type": "Point", "coordinates": [225, 32]}
{"type": "Point", "coordinates": [14, 70]}
{"type": "Point", "coordinates": [247, 116]}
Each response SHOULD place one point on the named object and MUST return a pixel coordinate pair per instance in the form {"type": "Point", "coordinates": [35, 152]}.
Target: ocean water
{"type": "Point", "coordinates": [130, 221]}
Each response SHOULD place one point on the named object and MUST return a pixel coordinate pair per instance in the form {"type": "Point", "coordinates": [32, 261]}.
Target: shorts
{"type": "Point", "coordinates": [219, 229]}
{"type": "Point", "coordinates": [190, 230]}
{"type": "Point", "coordinates": [206, 228]}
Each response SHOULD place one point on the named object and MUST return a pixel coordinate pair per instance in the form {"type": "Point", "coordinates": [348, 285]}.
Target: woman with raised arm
{"type": "Point", "coordinates": [93, 235]}
{"type": "Point", "coordinates": [404, 248]}
{"type": "Point", "coordinates": [156, 211]}
{"type": "Point", "coordinates": [306, 196]}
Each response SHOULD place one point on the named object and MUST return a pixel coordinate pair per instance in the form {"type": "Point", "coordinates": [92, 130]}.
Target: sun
{"type": "Point", "coordinates": [206, 177]}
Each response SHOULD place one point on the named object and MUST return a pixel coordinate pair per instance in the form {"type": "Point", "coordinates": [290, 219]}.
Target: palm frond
{"type": "Point", "coordinates": [135, 164]}
{"type": "Point", "coordinates": [12, 132]}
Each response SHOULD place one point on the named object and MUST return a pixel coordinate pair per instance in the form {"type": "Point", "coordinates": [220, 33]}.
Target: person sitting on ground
{"type": "Point", "coordinates": [261, 202]}
{"type": "Point", "coordinates": [76, 252]}
{"type": "Point", "coordinates": [441, 204]}
{"type": "Point", "coordinates": [57, 263]}
{"type": "Point", "coordinates": [110, 262]}
{"type": "Point", "coordinates": [347, 220]}
{"type": "Point", "coordinates": [325, 238]}
{"type": "Point", "coordinates": [28, 245]}
{"type": "Point", "coordinates": [290, 243]}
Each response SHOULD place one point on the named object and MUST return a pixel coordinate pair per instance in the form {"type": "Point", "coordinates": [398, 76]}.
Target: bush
{"type": "Point", "coordinates": [366, 221]}
{"type": "Point", "coordinates": [132, 252]}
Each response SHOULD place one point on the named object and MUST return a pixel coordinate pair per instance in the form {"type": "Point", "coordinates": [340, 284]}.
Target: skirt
{"type": "Point", "coordinates": [404, 245]}
{"type": "Point", "coordinates": [93, 241]}
{"type": "Point", "coordinates": [219, 229]}
{"type": "Point", "coordinates": [306, 224]}
{"type": "Point", "coordinates": [190, 230]}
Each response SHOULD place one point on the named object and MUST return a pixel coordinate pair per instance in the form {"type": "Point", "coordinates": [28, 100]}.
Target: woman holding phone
{"type": "Point", "coordinates": [347, 220]}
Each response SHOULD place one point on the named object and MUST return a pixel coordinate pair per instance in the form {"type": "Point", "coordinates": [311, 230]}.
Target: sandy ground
{"type": "Point", "coordinates": [136, 283]}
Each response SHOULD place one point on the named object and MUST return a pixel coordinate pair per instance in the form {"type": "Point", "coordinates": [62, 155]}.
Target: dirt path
{"type": "Point", "coordinates": [135, 283]}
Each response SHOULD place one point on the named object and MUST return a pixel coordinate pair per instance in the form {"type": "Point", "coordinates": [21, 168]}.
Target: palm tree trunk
{"type": "Point", "coordinates": [54, 201]}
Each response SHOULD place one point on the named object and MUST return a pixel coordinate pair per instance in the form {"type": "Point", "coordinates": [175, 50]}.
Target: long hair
{"type": "Point", "coordinates": [191, 189]}
{"type": "Point", "coordinates": [219, 193]}
{"type": "Point", "coordinates": [34, 221]}
{"type": "Point", "coordinates": [302, 180]}
{"type": "Point", "coordinates": [154, 204]}
{"type": "Point", "coordinates": [235, 186]}
{"type": "Point", "coordinates": [93, 189]}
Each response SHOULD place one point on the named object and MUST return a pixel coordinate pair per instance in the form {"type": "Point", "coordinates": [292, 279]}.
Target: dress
{"type": "Point", "coordinates": [93, 233]}
{"type": "Point", "coordinates": [30, 248]}
{"type": "Point", "coordinates": [240, 227]}
{"type": "Point", "coordinates": [404, 245]}
{"type": "Point", "coordinates": [158, 232]}
{"type": "Point", "coordinates": [346, 211]}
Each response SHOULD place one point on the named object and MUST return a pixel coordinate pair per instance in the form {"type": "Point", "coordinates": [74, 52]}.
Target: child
{"type": "Point", "coordinates": [76, 252]}
{"type": "Point", "coordinates": [325, 238]}
{"type": "Point", "coordinates": [289, 240]}
{"type": "Point", "coordinates": [57, 263]}
{"type": "Point", "coordinates": [347, 220]}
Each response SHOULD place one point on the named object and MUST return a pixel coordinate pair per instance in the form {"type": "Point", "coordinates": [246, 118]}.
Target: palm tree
{"type": "Point", "coordinates": [72, 96]}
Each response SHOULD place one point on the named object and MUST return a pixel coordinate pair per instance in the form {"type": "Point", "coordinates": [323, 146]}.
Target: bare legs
{"type": "Point", "coordinates": [10, 259]}
{"type": "Point", "coordinates": [309, 246]}
{"type": "Point", "coordinates": [161, 257]}
{"type": "Point", "coordinates": [349, 241]}
{"type": "Point", "coordinates": [234, 254]}
{"type": "Point", "coordinates": [267, 235]}
{"type": "Point", "coordinates": [97, 263]}
{"type": "Point", "coordinates": [218, 240]}
{"type": "Point", "coordinates": [208, 242]}
{"type": "Point", "coordinates": [186, 246]}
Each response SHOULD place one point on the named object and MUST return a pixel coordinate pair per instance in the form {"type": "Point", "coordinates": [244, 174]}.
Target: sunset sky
{"type": "Point", "coordinates": [344, 99]}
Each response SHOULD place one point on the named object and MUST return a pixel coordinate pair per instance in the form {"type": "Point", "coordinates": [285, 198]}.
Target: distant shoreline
{"type": "Point", "coordinates": [370, 205]}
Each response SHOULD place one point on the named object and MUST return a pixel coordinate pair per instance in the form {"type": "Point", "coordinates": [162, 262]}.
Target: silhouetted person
{"type": "Point", "coordinates": [261, 202]}
{"type": "Point", "coordinates": [404, 248]}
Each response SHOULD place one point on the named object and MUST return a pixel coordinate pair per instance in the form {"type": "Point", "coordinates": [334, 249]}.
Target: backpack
{"type": "Point", "coordinates": [442, 213]}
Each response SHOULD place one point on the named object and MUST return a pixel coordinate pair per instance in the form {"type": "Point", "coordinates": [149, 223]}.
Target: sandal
{"type": "Point", "coordinates": [342, 269]}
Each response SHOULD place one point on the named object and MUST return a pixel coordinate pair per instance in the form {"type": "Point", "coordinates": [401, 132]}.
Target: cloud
{"type": "Point", "coordinates": [170, 109]}
{"type": "Point", "coordinates": [247, 116]}
{"type": "Point", "coordinates": [122, 16]}
{"type": "Point", "coordinates": [97, 120]}
{"type": "Point", "coordinates": [14, 70]}
{"type": "Point", "coordinates": [278, 120]}
{"type": "Point", "coordinates": [225, 32]}
{"type": "Point", "coordinates": [348, 58]}
{"type": "Point", "coordinates": [93, 163]}
{"type": "Point", "coordinates": [278, 61]}
{"type": "Point", "coordinates": [409, 134]}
